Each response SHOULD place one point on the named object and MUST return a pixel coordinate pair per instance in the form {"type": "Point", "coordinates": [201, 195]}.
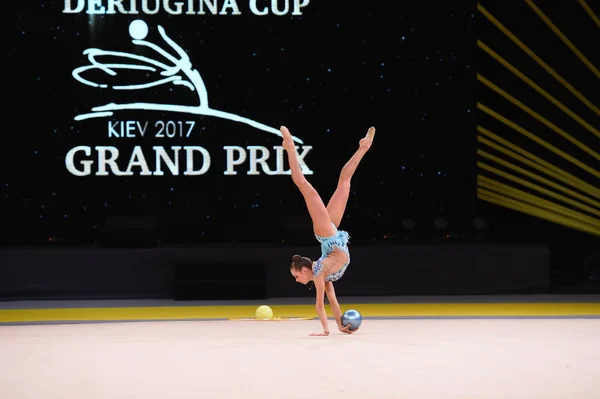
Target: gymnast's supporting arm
{"type": "Point", "coordinates": [320, 303]}
{"type": "Point", "coordinates": [334, 304]}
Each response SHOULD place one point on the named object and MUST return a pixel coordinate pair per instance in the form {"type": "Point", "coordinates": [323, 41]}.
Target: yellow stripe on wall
{"type": "Point", "coordinates": [367, 310]}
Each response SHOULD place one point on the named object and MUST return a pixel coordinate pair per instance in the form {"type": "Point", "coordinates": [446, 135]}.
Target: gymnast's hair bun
{"type": "Point", "coordinates": [296, 258]}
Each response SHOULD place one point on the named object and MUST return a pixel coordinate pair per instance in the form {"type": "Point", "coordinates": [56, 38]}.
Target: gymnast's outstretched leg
{"type": "Point", "coordinates": [316, 208]}
{"type": "Point", "coordinates": [339, 199]}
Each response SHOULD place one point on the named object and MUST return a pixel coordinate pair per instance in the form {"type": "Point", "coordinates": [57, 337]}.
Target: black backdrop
{"type": "Point", "coordinates": [408, 68]}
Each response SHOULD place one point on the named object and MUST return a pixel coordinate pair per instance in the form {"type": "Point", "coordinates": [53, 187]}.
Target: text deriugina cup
{"type": "Point", "coordinates": [189, 7]}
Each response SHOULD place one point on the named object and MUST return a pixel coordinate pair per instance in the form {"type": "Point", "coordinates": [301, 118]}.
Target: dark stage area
{"type": "Point", "coordinates": [209, 273]}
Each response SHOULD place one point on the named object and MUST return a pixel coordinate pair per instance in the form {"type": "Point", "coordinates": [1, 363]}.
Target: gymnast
{"type": "Point", "coordinates": [335, 255]}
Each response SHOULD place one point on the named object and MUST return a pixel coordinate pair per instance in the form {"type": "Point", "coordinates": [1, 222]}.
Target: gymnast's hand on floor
{"type": "Point", "coordinates": [323, 334]}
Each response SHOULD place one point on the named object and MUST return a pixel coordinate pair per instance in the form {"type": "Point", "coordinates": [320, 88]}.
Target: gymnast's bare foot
{"type": "Point", "coordinates": [288, 141]}
{"type": "Point", "coordinates": [365, 143]}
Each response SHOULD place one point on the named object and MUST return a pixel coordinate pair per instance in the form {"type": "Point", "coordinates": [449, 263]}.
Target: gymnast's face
{"type": "Point", "coordinates": [302, 276]}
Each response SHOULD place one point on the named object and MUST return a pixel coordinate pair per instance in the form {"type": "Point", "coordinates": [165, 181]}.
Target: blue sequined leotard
{"type": "Point", "coordinates": [328, 244]}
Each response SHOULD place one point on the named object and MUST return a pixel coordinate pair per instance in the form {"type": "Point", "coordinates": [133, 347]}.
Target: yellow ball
{"type": "Point", "coordinates": [264, 312]}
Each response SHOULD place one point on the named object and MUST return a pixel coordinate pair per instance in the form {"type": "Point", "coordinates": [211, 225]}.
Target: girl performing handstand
{"type": "Point", "coordinates": [335, 256]}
